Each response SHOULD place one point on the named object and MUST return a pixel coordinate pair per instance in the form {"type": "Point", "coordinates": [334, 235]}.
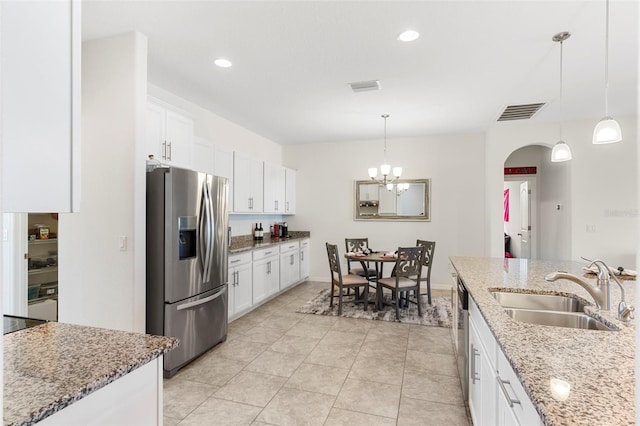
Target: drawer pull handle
{"type": "Point", "coordinates": [502, 384]}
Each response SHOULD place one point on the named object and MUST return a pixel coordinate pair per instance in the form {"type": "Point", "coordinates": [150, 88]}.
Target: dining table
{"type": "Point", "coordinates": [378, 258]}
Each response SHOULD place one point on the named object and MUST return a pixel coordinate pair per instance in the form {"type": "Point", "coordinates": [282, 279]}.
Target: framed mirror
{"type": "Point", "coordinates": [408, 199]}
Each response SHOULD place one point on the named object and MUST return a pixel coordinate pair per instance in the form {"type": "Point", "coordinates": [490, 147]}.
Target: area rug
{"type": "Point", "coordinates": [438, 314]}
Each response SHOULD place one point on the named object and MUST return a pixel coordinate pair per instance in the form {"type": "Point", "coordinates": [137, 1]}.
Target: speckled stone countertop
{"type": "Point", "coordinates": [245, 242]}
{"type": "Point", "coordinates": [599, 365]}
{"type": "Point", "coordinates": [53, 365]}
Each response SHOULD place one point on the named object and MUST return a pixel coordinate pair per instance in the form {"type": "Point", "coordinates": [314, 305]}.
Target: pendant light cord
{"type": "Point", "coordinates": [385, 116]}
{"type": "Point", "coordinates": [561, 44]}
{"type": "Point", "coordinates": [606, 65]}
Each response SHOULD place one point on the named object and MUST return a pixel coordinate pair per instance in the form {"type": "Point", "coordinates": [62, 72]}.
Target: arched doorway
{"type": "Point", "coordinates": [536, 213]}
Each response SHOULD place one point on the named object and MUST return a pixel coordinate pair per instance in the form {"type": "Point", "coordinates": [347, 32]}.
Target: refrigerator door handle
{"type": "Point", "coordinates": [209, 232]}
{"type": "Point", "coordinates": [208, 299]}
{"type": "Point", "coordinates": [202, 244]}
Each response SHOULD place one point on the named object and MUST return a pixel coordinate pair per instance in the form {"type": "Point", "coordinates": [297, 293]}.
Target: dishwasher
{"type": "Point", "coordinates": [462, 341]}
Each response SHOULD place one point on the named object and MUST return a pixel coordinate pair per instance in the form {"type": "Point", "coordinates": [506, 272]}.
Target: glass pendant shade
{"type": "Point", "coordinates": [397, 172]}
{"type": "Point", "coordinates": [560, 152]}
{"type": "Point", "coordinates": [373, 172]}
{"type": "Point", "coordinates": [607, 131]}
{"type": "Point", "coordinates": [385, 169]}
{"type": "Point", "coordinates": [389, 187]}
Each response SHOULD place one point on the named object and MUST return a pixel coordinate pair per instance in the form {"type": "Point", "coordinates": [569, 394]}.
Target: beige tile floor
{"type": "Point", "coordinates": [279, 367]}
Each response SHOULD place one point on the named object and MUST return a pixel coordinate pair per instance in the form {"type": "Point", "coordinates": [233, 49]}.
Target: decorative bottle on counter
{"type": "Point", "coordinates": [256, 233]}
{"type": "Point", "coordinates": [260, 233]}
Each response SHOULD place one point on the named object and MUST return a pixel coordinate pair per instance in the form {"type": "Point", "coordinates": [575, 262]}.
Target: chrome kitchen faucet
{"type": "Point", "coordinates": [602, 293]}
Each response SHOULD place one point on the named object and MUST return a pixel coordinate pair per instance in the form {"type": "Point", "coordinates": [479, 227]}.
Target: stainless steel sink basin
{"type": "Point", "coordinates": [557, 319]}
{"type": "Point", "coordinates": [541, 302]}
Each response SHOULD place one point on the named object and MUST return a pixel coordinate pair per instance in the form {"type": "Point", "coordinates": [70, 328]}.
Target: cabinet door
{"type": "Point", "coordinates": [223, 166]}
{"type": "Point", "coordinates": [40, 104]}
{"type": "Point", "coordinates": [203, 153]}
{"type": "Point", "coordinates": [290, 189]}
{"type": "Point", "coordinates": [289, 268]}
{"type": "Point", "coordinates": [155, 141]}
{"type": "Point", "coordinates": [274, 188]}
{"type": "Point", "coordinates": [248, 184]}
{"type": "Point", "coordinates": [179, 139]}
{"type": "Point", "coordinates": [505, 415]}
{"type": "Point", "coordinates": [304, 260]}
{"type": "Point", "coordinates": [266, 278]}
{"type": "Point", "coordinates": [243, 288]}
{"type": "Point", "coordinates": [475, 362]}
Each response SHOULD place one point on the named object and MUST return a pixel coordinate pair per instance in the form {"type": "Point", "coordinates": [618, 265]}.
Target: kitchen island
{"type": "Point", "coordinates": [597, 367]}
{"type": "Point", "coordinates": [58, 373]}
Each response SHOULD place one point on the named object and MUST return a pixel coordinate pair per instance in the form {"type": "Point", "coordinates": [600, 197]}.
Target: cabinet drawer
{"type": "Point", "coordinates": [239, 259]}
{"type": "Point", "coordinates": [264, 253]}
{"type": "Point", "coordinates": [285, 248]}
{"type": "Point", "coordinates": [304, 243]}
{"type": "Point", "coordinates": [510, 388]}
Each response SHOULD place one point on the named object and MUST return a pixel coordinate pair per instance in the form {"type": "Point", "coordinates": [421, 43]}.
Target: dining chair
{"type": "Point", "coordinates": [342, 282]}
{"type": "Point", "coordinates": [359, 245]}
{"type": "Point", "coordinates": [430, 248]}
{"type": "Point", "coordinates": [407, 268]}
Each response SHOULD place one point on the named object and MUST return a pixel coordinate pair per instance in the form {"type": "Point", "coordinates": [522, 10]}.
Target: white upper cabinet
{"type": "Point", "coordinates": [290, 195]}
{"type": "Point", "coordinates": [223, 166]}
{"type": "Point", "coordinates": [203, 156]}
{"type": "Point", "coordinates": [274, 188]}
{"type": "Point", "coordinates": [169, 134]}
{"type": "Point", "coordinates": [247, 184]}
{"type": "Point", "coordinates": [40, 105]}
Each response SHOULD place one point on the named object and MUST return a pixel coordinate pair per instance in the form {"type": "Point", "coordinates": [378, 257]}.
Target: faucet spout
{"type": "Point", "coordinates": [597, 294]}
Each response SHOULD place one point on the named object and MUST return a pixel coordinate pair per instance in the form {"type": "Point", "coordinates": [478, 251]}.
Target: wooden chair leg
{"type": "Point", "coordinates": [365, 300]}
{"type": "Point", "coordinates": [397, 305]}
{"type": "Point", "coordinates": [331, 296]}
{"type": "Point", "coordinates": [340, 303]}
{"type": "Point", "coordinates": [418, 302]}
{"type": "Point", "coordinates": [429, 291]}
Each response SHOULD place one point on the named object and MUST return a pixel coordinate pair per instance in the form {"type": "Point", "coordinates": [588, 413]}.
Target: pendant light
{"type": "Point", "coordinates": [607, 130]}
{"type": "Point", "coordinates": [385, 168]}
{"type": "Point", "coordinates": [561, 151]}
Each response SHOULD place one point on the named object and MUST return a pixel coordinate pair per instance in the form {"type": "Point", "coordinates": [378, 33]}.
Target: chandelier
{"type": "Point", "coordinates": [385, 168]}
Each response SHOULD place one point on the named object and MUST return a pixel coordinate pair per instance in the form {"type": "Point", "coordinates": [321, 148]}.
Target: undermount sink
{"type": "Point", "coordinates": [557, 319]}
{"type": "Point", "coordinates": [548, 309]}
{"type": "Point", "coordinates": [540, 302]}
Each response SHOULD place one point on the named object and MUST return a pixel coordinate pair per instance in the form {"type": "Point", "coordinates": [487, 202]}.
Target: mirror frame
{"type": "Point", "coordinates": [409, 218]}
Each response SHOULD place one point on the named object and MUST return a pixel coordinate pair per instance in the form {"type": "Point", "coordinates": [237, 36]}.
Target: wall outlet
{"type": "Point", "coordinates": [122, 243]}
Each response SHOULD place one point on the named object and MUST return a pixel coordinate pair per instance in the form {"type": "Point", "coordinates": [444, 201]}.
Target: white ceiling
{"type": "Point", "coordinates": [293, 60]}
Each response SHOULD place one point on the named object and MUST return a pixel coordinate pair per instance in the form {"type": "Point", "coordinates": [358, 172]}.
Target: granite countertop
{"type": "Point", "coordinates": [53, 365]}
{"type": "Point", "coordinates": [599, 365]}
{"type": "Point", "coordinates": [245, 242]}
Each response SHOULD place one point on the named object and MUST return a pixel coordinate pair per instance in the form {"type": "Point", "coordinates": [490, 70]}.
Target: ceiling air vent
{"type": "Point", "coordinates": [363, 86]}
{"type": "Point", "coordinates": [520, 112]}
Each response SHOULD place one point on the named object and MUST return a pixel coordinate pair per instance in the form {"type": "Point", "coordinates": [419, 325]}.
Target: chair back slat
{"type": "Point", "coordinates": [409, 262]}
{"type": "Point", "coordinates": [334, 260]}
{"type": "Point", "coordinates": [356, 245]}
{"type": "Point", "coordinates": [430, 247]}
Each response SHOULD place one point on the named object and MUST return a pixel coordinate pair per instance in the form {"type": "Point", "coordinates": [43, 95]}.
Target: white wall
{"type": "Point", "coordinates": [98, 284]}
{"type": "Point", "coordinates": [326, 175]}
{"type": "Point", "coordinates": [602, 183]}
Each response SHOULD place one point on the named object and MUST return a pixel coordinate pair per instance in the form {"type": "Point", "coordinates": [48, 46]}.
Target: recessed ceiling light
{"type": "Point", "coordinates": [408, 35]}
{"type": "Point", "coordinates": [223, 63]}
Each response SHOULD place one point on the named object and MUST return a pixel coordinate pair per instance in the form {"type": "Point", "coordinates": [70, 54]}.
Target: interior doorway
{"type": "Point", "coordinates": [536, 191]}
{"type": "Point", "coordinates": [520, 216]}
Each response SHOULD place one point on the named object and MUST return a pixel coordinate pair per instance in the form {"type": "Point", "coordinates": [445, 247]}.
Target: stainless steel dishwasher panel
{"type": "Point", "coordinates": [199, 322]}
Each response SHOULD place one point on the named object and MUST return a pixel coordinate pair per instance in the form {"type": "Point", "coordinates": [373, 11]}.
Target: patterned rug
{"type": "Point", "coordinates": [438, 314]}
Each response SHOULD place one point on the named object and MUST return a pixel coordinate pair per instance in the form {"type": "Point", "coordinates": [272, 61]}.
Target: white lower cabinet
{"type": "Point", "coordinates": [240, 283]}
{"type": "Point", "coordinates": [496, 396]}
{"type": "Point", "coordinates": [266, 273]}
{"type": "Point", "coordinates": [304, 259]}
{"type": "Point", "coordinates": [289, 264]}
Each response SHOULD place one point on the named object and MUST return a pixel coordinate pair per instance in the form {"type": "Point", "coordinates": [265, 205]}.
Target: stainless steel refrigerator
{"type": "Point", "coordinates": [187, 221]}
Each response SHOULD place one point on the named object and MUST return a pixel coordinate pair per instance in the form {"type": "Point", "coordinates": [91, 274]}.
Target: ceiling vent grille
{"type": "Point", "coordinates": [520, 112]}
{"type": "Point", "coordinates": [364, 86]}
